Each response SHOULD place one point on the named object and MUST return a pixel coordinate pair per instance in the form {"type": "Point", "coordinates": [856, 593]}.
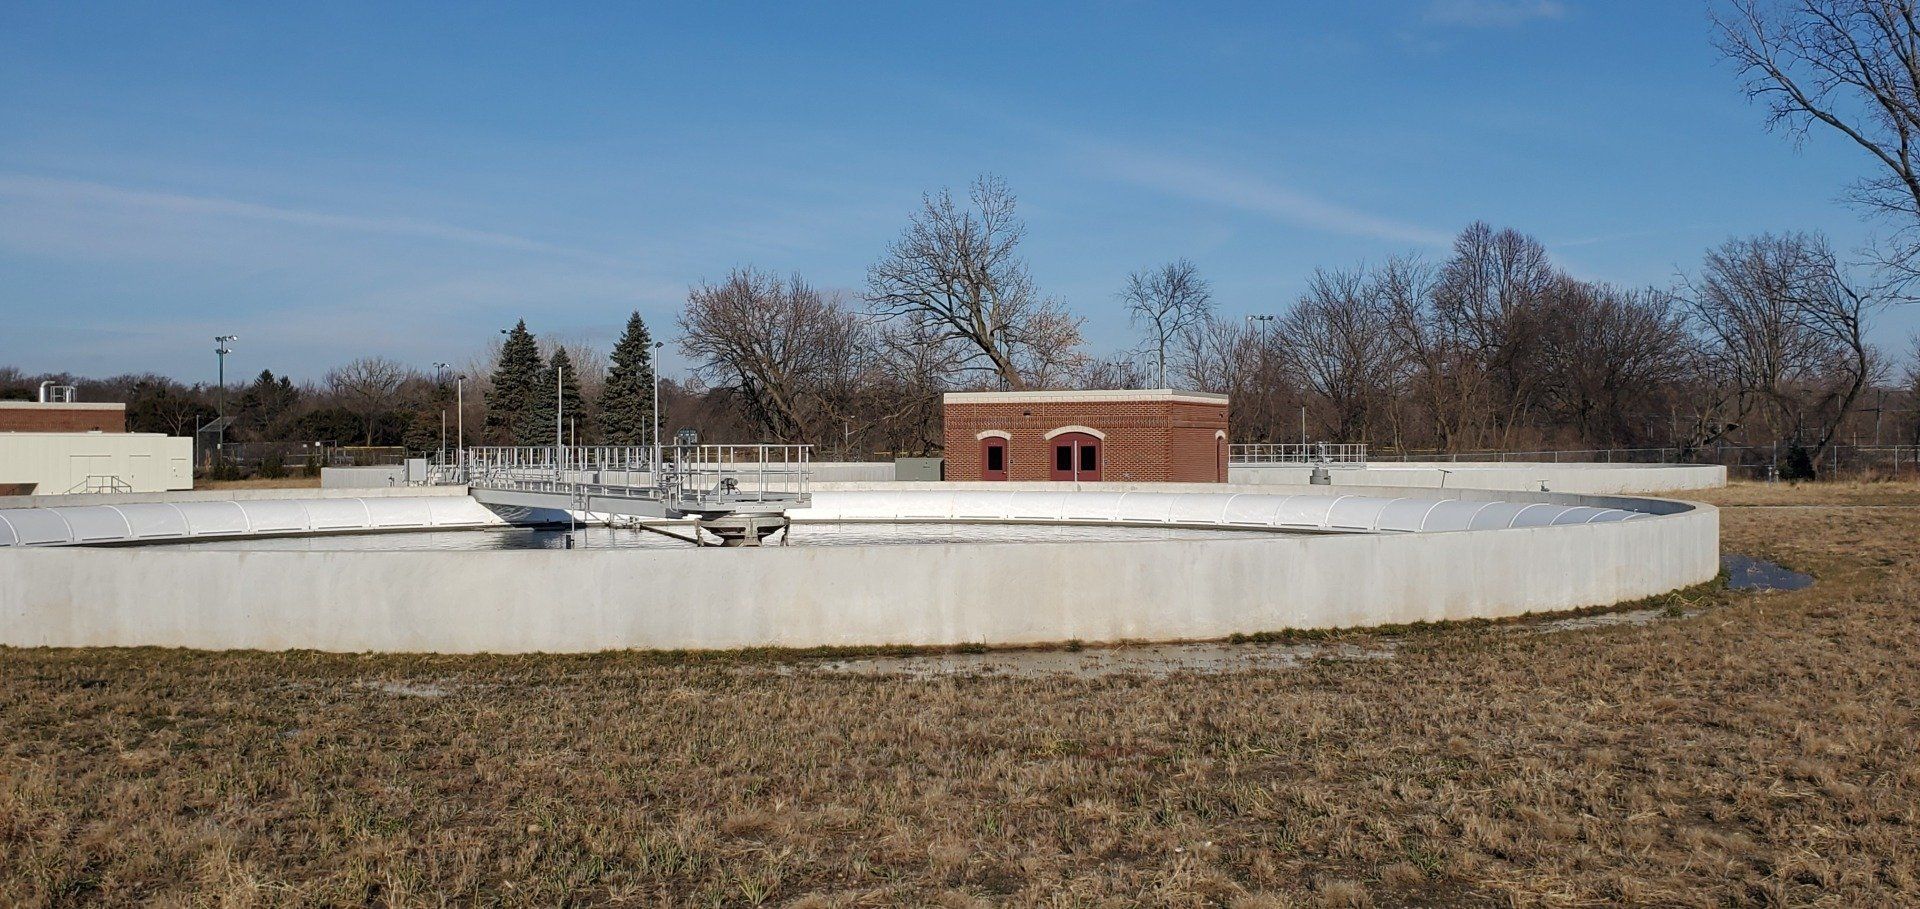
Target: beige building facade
{"type": "Point", "coordinates": [51, 463]}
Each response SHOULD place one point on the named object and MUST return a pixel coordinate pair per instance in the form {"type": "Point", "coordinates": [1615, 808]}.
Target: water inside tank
{"type": "Point", "coordinates": [597, 537]}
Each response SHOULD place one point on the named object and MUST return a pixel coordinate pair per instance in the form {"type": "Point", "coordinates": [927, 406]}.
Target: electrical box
{"type": "Point", "coordinates": [920, 470]}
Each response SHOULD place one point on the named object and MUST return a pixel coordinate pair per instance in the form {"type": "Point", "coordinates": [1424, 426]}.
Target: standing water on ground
{"type": "Point", "coordinates": [1749, 573]}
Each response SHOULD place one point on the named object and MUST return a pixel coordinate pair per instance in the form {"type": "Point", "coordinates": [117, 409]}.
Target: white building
{"type": "Point", "coordinates": [55, 446]}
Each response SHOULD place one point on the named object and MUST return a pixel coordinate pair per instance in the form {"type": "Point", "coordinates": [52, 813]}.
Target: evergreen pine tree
{"type": "Point", "coordinates": [514, 382]}
{"type": "Point", "coordinates": [538, 427]}
{"type": "Point", "coordinates": [264, 403]}
{"type": "Point", "coordinates": [423, 433]}
{"type": "Point", "coordinates": [626, 401]}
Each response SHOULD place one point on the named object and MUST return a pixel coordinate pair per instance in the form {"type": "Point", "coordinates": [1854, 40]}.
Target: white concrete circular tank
{"type": "Point", "coordinates": [1311, 558]}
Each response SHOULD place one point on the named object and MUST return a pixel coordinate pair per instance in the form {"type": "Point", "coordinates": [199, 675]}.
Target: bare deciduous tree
{"type": "Point", "coordinates": [1609, 351]}
{"type": "Point", "coordinates": [1168, 302]}
{"type": "Point", "coordinates": [1051, 354]}
{"type": "Point", "coordinates": [960, 269]}
{"type": "Point", "coordinates": [903, 403]}
{"type": "Point", "coordinates": [1852, 66]}
{"type": "Point", "coordinates": [1913, 389]}
{"type": "Point", "coordinates": [1244, 362]}
{"type": "Point", "coordinates": [1448, 383]}
{"type": "Point", "coordinates": [1339, 340]}
{"type": "Point", "coordinates": [1491, 299]}
{"type": "Point", "coordinates": [368, 387]}
{"type": "Point", "coordinates": [789, 351]}
{"type": "Point", "coordinates": [1785, 323]}
{"type": "Point", "coordinates": [1116, 372]}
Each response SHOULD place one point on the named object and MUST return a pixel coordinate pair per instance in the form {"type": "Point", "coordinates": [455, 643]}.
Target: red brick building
{"type": "Point", "coordinates": [49, 416]}
{"type": "Point", "coordinates": [1145, 436]}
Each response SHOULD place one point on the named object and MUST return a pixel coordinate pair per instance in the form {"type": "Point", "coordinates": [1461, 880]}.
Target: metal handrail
{"type": "Point", "coordinates": [100, 483]}
{"type": "Point", "coordinates": [1297, 453]}
{"type": "Point", "coordinates": [686, 475]}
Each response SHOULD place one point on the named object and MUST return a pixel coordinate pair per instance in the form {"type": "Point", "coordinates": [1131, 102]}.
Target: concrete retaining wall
{"type": "Point", "coordinates": [151, 522]}
{"type": "Point", "coordinates": [1297, 509]}
{"type": "Point", "coordinates": [1597, 479]}
{"type": "Point", "coordinates": [380, 477]}
{"type": "Point", "coordinates": [227, 495]}
{"type": "Point", "coordinates": [1024, 593]}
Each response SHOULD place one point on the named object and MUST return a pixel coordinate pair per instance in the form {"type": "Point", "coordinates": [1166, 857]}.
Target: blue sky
{"type": "Point", "coordinates": [332, 180]}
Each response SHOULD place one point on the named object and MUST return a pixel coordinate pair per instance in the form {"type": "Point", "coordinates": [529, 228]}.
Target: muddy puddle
{"type": "Point", "coordinates": [1749, 573]}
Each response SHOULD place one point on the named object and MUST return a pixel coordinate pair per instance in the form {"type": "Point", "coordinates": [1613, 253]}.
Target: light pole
{"type": "Point", "coordinates": [460, 423]}
{"type": "Point", "coordinates": [1258, 323]}
{"type": "Point", "coordinates": [657, 345]}
{"type": "Point", "coordinates": [221, 349]}
{"type": "Point", "coordinates": [440, 379]}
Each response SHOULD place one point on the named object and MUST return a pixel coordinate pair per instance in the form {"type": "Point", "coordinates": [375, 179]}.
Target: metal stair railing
{"type": "Point", "coordinates": [101, 483]}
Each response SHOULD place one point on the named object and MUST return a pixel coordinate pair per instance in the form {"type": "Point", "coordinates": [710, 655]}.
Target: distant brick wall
{"type": "Point", "coordinates": [32, 416]}
{"type": "Point", "coordinates": [1147, 441]}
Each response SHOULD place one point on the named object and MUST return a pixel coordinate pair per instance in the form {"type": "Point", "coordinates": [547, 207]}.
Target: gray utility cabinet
{"type": "Point", "coordinates": [920, 470]}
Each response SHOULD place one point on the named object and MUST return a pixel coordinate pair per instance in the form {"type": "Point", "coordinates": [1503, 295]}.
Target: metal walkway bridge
{"type": "Point", "coordinates": [740, 493]}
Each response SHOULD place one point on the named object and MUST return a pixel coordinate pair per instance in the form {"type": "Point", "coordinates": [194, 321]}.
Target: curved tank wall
{"type": "Point", "coordinates": [150, 522]}
{"type": "Point", "coordinates": [1317, 511]}
{"type": "Point", "coordinates": [1589, 479]}
{"type": "Point", "coordinates": [1487, 555]}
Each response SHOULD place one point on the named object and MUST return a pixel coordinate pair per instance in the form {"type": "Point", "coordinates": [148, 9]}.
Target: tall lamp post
{"type": "Point", "coordinates": [460, 423]}
{"type": "Point", "coordinates": [1258, 324]}
{"type": "Point", "coordinates": [657, 345]}
{"type": "Point", "coordinates": [440, 379]}
{"type": "Point", "coordinates": [221, 349]}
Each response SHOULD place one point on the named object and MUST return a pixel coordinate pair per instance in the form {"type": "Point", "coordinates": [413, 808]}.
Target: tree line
{"type": "Point", "coordinates": [1491, 347]}
{"type": "Point", "coordinates": [509, 396]}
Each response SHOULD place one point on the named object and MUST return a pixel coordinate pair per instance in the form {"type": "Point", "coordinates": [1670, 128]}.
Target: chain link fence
{"type": "Point", "coordinates": [1747, 462]}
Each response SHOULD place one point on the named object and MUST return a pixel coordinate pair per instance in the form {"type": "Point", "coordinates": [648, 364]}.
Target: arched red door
{"type": "Point", "coordinates": [1076, 456]}
{"type": "Point", "coordinates": [993, 458]}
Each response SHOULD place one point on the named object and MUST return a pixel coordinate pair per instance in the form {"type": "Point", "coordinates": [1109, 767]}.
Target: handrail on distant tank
{"type": "Point", "coordinates": [1298, 453]}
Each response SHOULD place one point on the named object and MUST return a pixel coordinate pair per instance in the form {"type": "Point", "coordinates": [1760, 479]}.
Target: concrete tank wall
{"type": "Point", "coordinates": [1597, 479]}
{"type": "Point", "coordinates": [1025, 593]}
{"type": "Point", "coordinates": [229, 495]}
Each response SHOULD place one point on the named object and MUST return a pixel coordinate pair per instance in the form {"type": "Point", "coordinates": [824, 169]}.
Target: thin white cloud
{"type": "Point", "coordinates": [149, 273]}
{"type": "Point", "coordinates": [1492, 13]}
{"type": "Point", "coordinates": [1246, 192]}
{"type": "Point", "coordinates": [81, 193]}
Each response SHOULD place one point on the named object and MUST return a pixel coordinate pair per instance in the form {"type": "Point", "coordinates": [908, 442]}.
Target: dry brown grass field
{"type": "Point", "coordinates": [1843, 492]}
{"type": "Point", "coordinates": [312, 482]}
{"type": "Point", "coordinates": [1742, 749]}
